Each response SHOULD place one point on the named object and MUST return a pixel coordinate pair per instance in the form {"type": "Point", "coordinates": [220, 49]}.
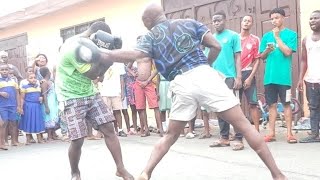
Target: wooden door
{"type": "Point", "coordinates": [202, 10]}
{"type": "Point", "coordinates": [16, 48]}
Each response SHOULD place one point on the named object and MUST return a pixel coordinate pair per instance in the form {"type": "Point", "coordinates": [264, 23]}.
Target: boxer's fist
{"type": "Point", "coordinates": [86, 51]}
{"type": "Point", "coordinates": [105, 40]}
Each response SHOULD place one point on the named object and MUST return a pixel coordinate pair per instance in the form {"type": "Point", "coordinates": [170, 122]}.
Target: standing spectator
{"type": "Point", "coordinates": [28, 70]}
{"type": "Point", "coordinates": [310, 63]}
{"type": "Point", "coordinates": [164, 99]}
{"type": "Point", "coordinates": [145, 90]}
{"type": "Point", "coordinates": [250, 59]}
{"type": "Point", "coordinates": [229, 64]}
{"type": "Point", "coordinates": [113, 94]}
{"type": "Point", "coordinates": [41, 60]}
{"type": "Point", "coordinates": [50, 103]}
{"type": "Point", "coordinates": [13, 126]}
{"type": "Point", "coordinates": [4, 58]}
{"type": "Point", "coordinates": [129, 80]}
{"type": "Point", "coordinates": [32, 115]}
{"type": "Point", "coordinates": [277, 47]}
{"type": "Point", "coordinates": [9, 105]}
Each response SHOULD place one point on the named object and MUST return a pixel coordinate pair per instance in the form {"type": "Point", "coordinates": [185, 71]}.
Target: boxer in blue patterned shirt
{"type": "Point", "coordinates": [175, 47]}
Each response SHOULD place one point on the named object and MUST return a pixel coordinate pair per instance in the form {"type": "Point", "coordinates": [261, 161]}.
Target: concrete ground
{"type": "Point", "coordinates": [189, 159]}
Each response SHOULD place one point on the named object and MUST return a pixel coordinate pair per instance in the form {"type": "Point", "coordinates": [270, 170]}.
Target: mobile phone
{"type": "Point", "coordinates": [270, 45]}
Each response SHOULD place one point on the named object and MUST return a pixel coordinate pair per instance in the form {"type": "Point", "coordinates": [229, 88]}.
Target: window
{"type": "Point", "coordinates": [68, 32]}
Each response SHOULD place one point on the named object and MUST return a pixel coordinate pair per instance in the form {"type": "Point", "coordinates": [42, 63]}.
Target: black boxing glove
{"type": "Point", "coordinates": [86, 51]}
{"type": "Point", "coordinates": [117, 42]}
{"type": "Point", "coordinates": [105, 40]}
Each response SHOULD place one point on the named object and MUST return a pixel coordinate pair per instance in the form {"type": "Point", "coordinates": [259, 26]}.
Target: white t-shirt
{"type": "Point", "coordinates": [111, 85]}
{"type": "Point", "coordinates": [313, 52]}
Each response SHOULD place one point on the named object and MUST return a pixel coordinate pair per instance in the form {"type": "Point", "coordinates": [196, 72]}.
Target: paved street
{"type": "Point", "coordinates": [187, 160]}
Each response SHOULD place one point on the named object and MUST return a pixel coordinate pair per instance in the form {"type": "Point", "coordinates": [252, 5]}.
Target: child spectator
{"type": "Point", "coordinates": [8, 106]}
{"type": "Point", "coordinates": [50, 103]}
{"type": "Point", "coordinates": [129, 80]}
{"type": "Point", "coordinates": [32, 117]}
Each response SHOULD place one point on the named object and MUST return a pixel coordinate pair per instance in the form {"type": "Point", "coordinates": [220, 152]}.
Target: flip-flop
{"type": "Point", "coordinates": [237, 146]}
{"type": "Point", "coordinates": [18, 144]}
{"type": "Point", "coordinates": [269, 138]}
{"type": "Point", "coordinates": [219, 144]}
{"type": "Point", "coordinates": [291, 140]}
{"type": "Point", "coordinates": [204, 136]}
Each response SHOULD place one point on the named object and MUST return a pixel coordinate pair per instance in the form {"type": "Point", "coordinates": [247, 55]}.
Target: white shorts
{"type": "Point", "coordinates": [199, 86]}
{"type": "Point", "coordinates": [115, 102]}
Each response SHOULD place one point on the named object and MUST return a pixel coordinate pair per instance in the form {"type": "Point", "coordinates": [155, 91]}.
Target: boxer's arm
{"type": "Point", "coordinates": [214, 46]}
{"type": "Point", "coordinates": [122, 56]}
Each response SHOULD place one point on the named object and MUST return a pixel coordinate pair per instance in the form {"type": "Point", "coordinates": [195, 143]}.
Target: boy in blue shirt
{"type": "Point", "coordinates": [9, 99]}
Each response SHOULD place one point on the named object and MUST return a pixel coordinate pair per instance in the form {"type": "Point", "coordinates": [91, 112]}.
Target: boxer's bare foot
{"type": "Point", "coordinates": [143, 176]}
{"type": "Point", "coordinates": [280, 177]}
{"type": "Point", "coordinates": [76, 176]}
{"type": "Point", "coordinates": [123, 173]}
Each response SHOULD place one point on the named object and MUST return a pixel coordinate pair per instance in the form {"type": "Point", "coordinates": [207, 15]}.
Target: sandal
{"type": "Point", "coordinates": [131, 133]}
{"type": "Point", "coordinates": [18, 144]}
{"type": "Point", "coordinates": [145, 134]}
{"type": "Point", "coordinates": [232, 137]}
{"type": "Point", "coordinates": [291, 140]}
{"type": "Point", "coordinates": [220, 143]}
{"type": "Point", "coordinates": [237, 146]}
{"type": "Point", "coordinates": [205, 136]}
{"type": "Point", "coordinates": [269, 138]}
{"type": "Point", "coordinates": [122, 134]}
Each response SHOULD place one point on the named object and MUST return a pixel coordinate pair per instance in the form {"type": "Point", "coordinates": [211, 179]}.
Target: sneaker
{"type": "Point", "coordinates": [310, 139]}
{"type": "Point", "coordinates": [190, 136]}
{"type": "Point", "coordinates": [122, 134]}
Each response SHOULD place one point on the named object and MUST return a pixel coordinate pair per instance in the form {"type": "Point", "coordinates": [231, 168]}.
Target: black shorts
{"type": "Point", "coordinates": [275, 91]}
{"type": "Point", "coordinates": [251, 92]}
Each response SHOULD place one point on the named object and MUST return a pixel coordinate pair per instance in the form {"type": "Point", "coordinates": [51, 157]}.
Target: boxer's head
{"type": "Point", "coordinates": [152, 15]}
{"type": "Point", "coordinates": [96, 26]}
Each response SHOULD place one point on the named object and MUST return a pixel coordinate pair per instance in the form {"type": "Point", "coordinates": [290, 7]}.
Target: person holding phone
{"type": "Point", "coordinates": [277, 47]}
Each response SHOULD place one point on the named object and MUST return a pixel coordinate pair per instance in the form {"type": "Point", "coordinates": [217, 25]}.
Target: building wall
{"type": "Point", "coordinates": [123, 16]}
{"type": "Point", "coordinates": [306, 8]}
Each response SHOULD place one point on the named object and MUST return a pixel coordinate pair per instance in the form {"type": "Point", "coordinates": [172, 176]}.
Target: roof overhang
{"type": "Point", "coordinates": [37, 10]}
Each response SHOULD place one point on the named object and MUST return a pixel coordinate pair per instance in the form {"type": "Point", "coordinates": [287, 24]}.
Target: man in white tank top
{"type": "Point", "coordinates": [309, 72]}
